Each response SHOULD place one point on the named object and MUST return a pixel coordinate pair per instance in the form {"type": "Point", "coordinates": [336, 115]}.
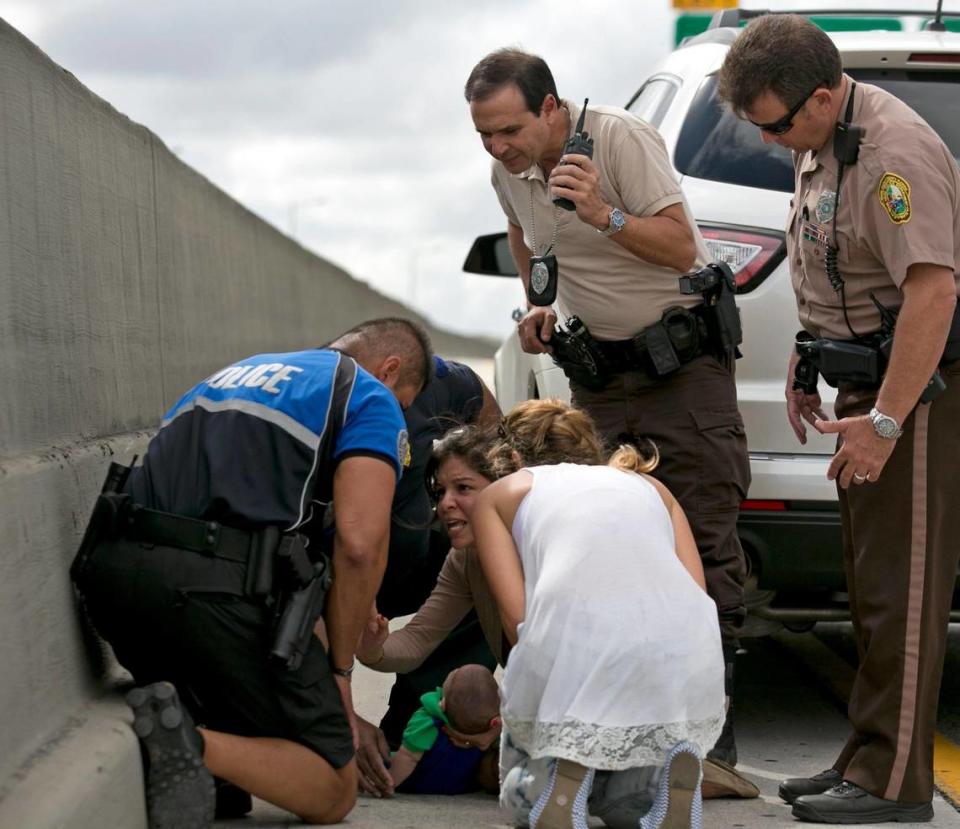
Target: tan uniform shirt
{"type": "Point", "coordinates": [611, 290]}
{"type": "Point", "coordinates": [899, 206]}
{"type": "Point", "coordinates": [461, 587]}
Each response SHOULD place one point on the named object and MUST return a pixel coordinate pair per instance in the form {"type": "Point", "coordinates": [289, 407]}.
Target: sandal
{"type": "Point", "coordinates": [563, 804]}
{"type": "Point", "coordinates": [678, 804]}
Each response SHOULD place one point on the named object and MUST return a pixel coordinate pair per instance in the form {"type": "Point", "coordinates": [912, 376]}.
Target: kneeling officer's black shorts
{"type": "Point", "coordinates": [180, 616]}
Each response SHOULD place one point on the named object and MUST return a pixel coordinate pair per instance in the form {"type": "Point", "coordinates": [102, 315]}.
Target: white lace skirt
{"type": "Point", "coordinates": [613, 685]}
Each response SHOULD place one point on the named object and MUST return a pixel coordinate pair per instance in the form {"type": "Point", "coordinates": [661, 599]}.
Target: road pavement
{"type": "Point", "coordinates": [789, 722]}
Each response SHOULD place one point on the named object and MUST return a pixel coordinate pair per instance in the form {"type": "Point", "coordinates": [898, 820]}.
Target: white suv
{"type": "Point", "coordinates": [739, 190]}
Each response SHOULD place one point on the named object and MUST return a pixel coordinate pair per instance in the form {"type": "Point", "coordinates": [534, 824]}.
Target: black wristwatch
{"type": "Point", "coordinates": [346, 673]}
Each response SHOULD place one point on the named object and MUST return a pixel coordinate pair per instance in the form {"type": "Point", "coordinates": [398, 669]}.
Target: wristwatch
{"type": "Point", "coordinates": [884, 425]}
{"type": "Point", "coordinates": [617, 221]}
{"type": "Point", "coordinates": [346, 673]}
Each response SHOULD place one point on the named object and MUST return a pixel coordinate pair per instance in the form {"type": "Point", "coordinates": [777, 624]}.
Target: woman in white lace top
{"type": "Point", "coordinates": [617, 664]}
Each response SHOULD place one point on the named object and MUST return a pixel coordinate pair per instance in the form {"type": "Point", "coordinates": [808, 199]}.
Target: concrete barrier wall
{"type": "Point", "coordinates": [125, 277]}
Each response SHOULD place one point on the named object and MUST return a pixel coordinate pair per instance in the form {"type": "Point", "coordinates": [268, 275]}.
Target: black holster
{"type": "Point", "coordinates": [719, 312]}
{"type": "Point", "coordinates": [301, 587]}
{"type": "Point", "coordinates": [577, 354]}
{"type": "Point", "coordinates": [837, 362]}
{"type": "Point", "coordinates": [105, 520]}
{"type": "Point", "coordinates": [861, 364]}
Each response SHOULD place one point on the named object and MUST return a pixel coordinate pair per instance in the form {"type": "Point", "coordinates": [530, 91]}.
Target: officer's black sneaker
{"type": "Point", "coordinates": [180, 790]}
{"type": "Point", "coordinates": [848, 803]}
{"type": "Point", "coordinates": [795, 787]}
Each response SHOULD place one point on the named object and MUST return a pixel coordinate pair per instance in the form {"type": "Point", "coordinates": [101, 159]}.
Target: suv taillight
{"type": "Point", "coordinates": [934, 57]}
{"type": "Point", "coordinates": [751, 253]}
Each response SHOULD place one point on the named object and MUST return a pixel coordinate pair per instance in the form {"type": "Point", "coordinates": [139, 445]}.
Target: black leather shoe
{"type": "Point", "coordinates": [848, 803]}
{"type": "Point", "coordinates": [796, 787]}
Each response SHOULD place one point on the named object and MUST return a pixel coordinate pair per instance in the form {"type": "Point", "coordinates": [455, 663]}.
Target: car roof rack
{"type": "Point", "coordinates": [734, 18]}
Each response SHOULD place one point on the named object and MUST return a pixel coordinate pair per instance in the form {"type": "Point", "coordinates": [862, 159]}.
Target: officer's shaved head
{"type": "Point", "coordinates": [371, 342]}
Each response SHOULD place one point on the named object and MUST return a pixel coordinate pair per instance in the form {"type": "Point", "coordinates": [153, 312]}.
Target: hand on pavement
{"type": "Point", "coordinates": [373, 754]}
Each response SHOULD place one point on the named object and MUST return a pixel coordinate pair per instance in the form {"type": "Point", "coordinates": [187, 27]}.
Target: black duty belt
{"type": "Point", "coordinates": [278, 570]}
{"type": "Point", "coordinates": [210, 538]}
{"type": "Point", "coordinates": [622, 355]}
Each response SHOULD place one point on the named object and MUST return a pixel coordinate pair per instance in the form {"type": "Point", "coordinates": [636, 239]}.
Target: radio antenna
{"type": "Point", "coordinates": [936, 25]}
{"type": "Point", "coordinates": [583, 112]}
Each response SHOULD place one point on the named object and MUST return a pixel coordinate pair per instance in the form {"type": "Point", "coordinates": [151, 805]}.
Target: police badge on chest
{"type": "Point", "coordinates": [544, 277]}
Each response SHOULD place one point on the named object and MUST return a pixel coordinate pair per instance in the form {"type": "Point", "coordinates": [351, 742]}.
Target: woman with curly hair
{"type": "Point", "coordinates": [616, 665]}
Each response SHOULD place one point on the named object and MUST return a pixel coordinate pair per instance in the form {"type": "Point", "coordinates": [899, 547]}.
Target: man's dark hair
{"type": "Point", "coordinates": [392, 335]}
{"type": "Point", "coordinates": [529, 73]}
{"type": "Point", "coordinates": [784, 54]}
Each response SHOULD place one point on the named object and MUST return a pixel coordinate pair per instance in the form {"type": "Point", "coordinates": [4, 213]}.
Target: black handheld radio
{"type": "Point", "coordinates": [580, 143]}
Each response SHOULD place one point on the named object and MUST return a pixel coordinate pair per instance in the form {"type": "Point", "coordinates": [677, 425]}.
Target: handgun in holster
{"type": "Point", "coordinates": [105, 518]}
{"type": "Point", "coordinates": [576, 352]}
{"type": "Point", "coordinates": [301, 586]}
{"type": "Point", "coordinates": [839, 361]}
{"type": "Point", "coordinates": [716, 284]}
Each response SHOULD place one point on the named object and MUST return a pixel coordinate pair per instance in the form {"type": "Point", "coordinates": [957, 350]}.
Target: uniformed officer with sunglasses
{"type": "Point", "coordinates": [873, 238]}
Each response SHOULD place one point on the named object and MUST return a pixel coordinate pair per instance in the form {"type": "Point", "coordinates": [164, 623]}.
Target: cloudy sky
{"type": "Point", "coordinates": [343, 122]}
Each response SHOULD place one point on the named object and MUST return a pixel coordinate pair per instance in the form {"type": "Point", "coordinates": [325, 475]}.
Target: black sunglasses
{"type": "Point", "coordinates": [785, 124]}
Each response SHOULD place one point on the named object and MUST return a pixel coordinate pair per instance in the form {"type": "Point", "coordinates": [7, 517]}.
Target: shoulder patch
{"type": "Point", "coordinates": [894, 195]}
{"type": "Point", "coordinates": [403, 449]}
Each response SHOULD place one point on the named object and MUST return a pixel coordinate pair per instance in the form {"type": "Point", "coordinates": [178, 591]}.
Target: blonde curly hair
{"type": "Point", "coordinates": [544, 432]}
{"type": "Point", "coordinates": [630, 458]}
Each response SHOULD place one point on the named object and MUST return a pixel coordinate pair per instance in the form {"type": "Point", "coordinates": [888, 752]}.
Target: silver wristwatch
{"type": "Point", "coordinates": [617, 221]}
{"type": "Point", "coordinates": [884, 425]}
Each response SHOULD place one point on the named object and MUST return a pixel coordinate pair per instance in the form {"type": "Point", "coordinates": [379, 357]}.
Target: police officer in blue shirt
{"type": "Point", "coordinates": [224, 530]}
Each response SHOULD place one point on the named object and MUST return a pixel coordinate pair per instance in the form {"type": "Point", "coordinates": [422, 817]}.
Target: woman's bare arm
{"type": "Point", "coordinates": [684, 543]}
{"type": "Point", "coordinates": [492, 520]}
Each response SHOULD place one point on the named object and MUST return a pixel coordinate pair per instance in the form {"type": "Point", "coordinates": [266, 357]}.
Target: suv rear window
{"type": "Point", "coordinates": [716, 145]}
{"type": "Point", "coordinates": [653, 100]}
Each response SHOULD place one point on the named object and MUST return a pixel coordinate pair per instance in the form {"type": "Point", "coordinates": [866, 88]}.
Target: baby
{"type": "Point", "coordinates": [446, 737]}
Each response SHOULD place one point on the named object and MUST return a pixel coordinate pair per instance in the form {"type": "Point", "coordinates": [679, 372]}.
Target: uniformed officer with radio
{"type": "Point", "coordinates": [873, 237]}
{"type": "Point", "coordinates": [597, 220]}
{"type": "Point", "coordinates": [207, 566]}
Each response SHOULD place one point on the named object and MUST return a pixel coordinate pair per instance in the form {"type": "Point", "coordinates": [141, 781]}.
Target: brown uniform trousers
{"type": "Point", "coordinates": [901, 548]}
{"type": "Point", "coordinates": [692, 417]}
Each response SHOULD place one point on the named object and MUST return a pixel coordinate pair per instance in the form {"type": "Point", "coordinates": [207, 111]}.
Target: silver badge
{"type": "Point", "coordinates": [825, 205]}
{"type": "Point", "coordinates": [539, 277]}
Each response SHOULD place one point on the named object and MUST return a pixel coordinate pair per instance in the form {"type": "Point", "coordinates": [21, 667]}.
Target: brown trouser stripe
{"type": "Point", "coordinates": [911, 645]}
